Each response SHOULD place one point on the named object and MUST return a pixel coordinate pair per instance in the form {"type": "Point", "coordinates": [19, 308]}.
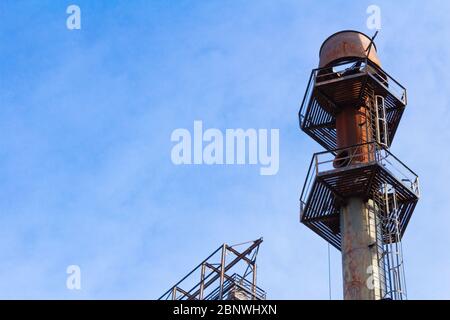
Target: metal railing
{"type": "Point", "coordinates": [237, 282]}
{"type": "Point", "coordinates": [354, 156]}
{"type": "Point", "coordinates": [346, 70]}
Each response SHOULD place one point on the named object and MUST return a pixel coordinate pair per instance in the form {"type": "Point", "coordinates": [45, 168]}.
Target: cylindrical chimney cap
{"type": "Point", "coordinates": [344, 45]}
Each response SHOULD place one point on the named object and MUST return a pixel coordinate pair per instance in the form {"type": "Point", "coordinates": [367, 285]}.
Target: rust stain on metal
{"type": "Point", "coordinates": [356, 254]}
{"type": "Point", "coordinates": [352, 129]}
{"type": "Point", "coordinates": [344, 45]}
{"type": "Point", "coordinates": [351, 120]}
{"type": "Point", "coordinates": [349, 109]}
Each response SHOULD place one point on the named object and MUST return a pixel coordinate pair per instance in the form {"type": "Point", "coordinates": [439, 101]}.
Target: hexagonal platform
{"type": "Point", "coordinates": [348, 83]}
{"type": "Point", "coordinates": [326, 188]}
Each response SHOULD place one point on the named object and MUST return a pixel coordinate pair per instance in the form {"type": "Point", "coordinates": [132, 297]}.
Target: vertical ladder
{"type": "Point", "coordinates": [376, 121]}
{"type": "Point", "coordinates": [393, 249]}
{"type": "Point", "coordinates": [380, 121]}
{"type": "Point", "coordinates": [389, 243]}
{"type": "Point", "coordinates": [386, 224]}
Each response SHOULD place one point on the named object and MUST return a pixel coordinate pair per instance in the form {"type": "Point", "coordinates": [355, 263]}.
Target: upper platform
{"type": "Point", "coordinates": [354, 82]}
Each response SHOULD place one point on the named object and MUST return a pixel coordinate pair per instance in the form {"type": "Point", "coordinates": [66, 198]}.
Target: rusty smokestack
{"type": "Point", "coordinates": [350, 198]}
{"type": "Point", "coordinates": [353, 128]}
{"type": "Point", "coordinates": [351, 121]}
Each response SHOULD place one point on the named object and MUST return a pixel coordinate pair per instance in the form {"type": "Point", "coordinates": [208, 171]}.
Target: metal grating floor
{"type": "Point", "coordinates": [322, 208]}
{"type": "Point", "coordinates": [318, 119]}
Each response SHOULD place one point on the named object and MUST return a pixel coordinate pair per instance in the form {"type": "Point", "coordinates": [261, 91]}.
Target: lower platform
{"type": "Point", "coordinates": [326, 189]}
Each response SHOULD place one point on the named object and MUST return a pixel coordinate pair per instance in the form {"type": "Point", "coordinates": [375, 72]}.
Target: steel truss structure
{"type": "Point", "coordinates": [229, 273]}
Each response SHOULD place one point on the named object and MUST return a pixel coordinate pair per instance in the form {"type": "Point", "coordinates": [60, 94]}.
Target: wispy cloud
{"type": "Point", "coordinates": [85, 150]}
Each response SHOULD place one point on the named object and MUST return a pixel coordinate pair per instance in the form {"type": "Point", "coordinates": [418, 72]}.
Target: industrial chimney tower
{"type": "Point", "coordinates": [357, 195]}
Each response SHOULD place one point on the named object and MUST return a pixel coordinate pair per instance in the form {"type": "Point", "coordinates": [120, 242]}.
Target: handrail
{"type": "Point", "coordinates": [356, 60]}
{"type": "Point", "coordinates": [366, 67]}
{"type": "Point", "coordinates": [308, 92]}
{"type": "Point", "coordinates": [376, 154]}
{"type": "Point", "coordinates": [307, 178]}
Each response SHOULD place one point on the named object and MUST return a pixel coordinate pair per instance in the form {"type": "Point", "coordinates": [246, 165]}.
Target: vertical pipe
{"type": "Point", "coordinates": [202, 281]}
{"type": "Point", "coordinates": [254, 281]}
{"type": "Point", "coordinates": [360, 268]}
{"type": "Point", "coordinates": [359, 229]}
{"type": "Point", "coordinates": [352, 128]}
{"type": "Point", "coordinates": [174, 293]}
{"type": "Point", "coordinates": [329, 272]}
{"type": "Point", "coordinates": [222, 270]}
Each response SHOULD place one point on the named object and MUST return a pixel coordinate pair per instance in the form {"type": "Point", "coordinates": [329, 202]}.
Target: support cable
{"type": "Point", "coordinates": [329, 272]}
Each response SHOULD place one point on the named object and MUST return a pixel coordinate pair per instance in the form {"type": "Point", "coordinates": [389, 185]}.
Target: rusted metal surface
{"type": "Point", "coordinates": [352, 108]}
{"type": "Point", "coordinates": [360, 270]}
{"type": "Point", "coordinates": [347, 44]}
{"type": "Point", "coordinates": [352, 128]}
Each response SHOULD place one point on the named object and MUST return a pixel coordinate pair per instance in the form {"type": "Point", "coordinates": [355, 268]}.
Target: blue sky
{"type": "Point", "coordinates": [86, 117]}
